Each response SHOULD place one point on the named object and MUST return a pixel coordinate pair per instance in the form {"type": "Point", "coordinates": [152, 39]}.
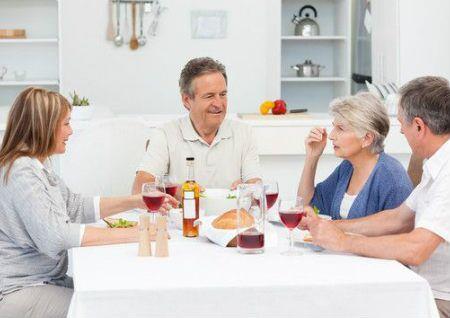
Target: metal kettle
{"type": "Point", "coordinates": [304, 25]}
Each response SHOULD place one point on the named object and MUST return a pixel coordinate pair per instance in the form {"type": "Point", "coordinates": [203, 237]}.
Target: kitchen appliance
{"type": "Point", "coordinates": [308, 69]}
{"type": "Point", "coordinates": [304, 25]}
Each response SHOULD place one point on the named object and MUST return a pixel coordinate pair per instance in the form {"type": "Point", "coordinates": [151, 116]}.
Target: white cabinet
{"type": "Point", "coordinates": [332, 49]}
{"type": "Point", "coordinates": [410, 38]}
{"type": "Point", "coordinates": [37, 55]}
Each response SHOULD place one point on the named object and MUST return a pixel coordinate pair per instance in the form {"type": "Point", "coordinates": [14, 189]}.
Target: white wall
{"type": "Point", "coordinates": [410, 39]}
{"type": "Point", "coordinates": [424, 38]}
{"type": "Point", "coordinates": [146, 80]}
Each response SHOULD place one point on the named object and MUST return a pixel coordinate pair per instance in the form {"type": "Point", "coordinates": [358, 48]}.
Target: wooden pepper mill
{"type": "Point", "coordinates": [162, 237]}
{"type": "Point", "coordinates": [145, 248]}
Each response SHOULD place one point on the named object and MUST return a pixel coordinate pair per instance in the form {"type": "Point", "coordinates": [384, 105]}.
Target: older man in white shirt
{"type": "Point", "coordinates": [224, 150]}
{"type": "Point", "coordinates": [418, 232]}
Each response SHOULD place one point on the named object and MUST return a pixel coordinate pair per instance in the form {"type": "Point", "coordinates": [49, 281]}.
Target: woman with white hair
{"type": "Point", "coordinates": [367, 180]}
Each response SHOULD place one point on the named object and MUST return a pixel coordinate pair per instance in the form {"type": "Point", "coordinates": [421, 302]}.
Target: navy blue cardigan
{"type": "Point", "coordinates": [388, 187]}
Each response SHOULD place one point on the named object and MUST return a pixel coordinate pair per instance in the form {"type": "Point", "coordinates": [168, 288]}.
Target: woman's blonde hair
{"type": "Point", "coordinates": [365, 113]}
{"type": "Point", "coordinates": [32, 125]}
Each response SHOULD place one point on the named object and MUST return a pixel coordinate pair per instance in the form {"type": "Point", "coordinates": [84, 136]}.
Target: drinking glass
{"type": "Point", "coordinates": [291, 213]}
{"type": "Point", "coordinates": [153, 198]}
{"type": "Point", "coordinates": [271, 190]}
{"type": "Point", "coordinates": [170, 186]}
{"type": "Point", "coordinates": [250, 219]}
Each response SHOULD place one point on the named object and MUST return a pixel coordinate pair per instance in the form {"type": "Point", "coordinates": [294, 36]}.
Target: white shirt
{"type": "Point", "coordinates": [231, 156]}
{"type": "Point", "coordinates": [346, 204]}
{"type": "Point", "coordinates": [431, 203]}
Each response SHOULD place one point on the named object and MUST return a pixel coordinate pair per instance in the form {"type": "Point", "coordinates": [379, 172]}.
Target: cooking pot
{"type": "Point", "coordinates": [308, 69]}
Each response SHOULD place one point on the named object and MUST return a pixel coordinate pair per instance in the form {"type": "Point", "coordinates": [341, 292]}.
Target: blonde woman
{"type": "Point", "coordinates": [368, 180]}
{"type": "Point", "coordinates": [40, 217]}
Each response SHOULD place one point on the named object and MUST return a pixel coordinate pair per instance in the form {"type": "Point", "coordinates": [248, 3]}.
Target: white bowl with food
{"type": "Point", "coordinates": [216, 201]}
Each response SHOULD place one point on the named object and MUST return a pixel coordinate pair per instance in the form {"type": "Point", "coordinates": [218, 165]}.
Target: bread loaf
{"type": "Point", "coordinates": [228, 220]}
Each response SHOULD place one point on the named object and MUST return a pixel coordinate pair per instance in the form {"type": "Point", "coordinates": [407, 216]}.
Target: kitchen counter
{"type": "Point", "coordinates": [275, 136]}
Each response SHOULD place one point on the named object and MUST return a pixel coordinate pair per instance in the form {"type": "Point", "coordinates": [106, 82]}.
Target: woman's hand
{"type": "Point", "coordinates": [169, 202]}
{"type": "Point", "coordinates": [316, 141]}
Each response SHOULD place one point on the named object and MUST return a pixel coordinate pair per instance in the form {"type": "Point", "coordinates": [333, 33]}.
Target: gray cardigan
{"type": "Point", "coordinates": [40, 219]}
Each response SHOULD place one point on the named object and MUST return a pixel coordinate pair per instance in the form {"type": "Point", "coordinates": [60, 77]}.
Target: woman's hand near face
{"type": "Point", "coordinates": [315, 142]}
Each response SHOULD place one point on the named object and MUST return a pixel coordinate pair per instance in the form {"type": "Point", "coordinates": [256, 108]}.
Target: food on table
{"type": "Point", "coordinates": [308, 238]}
{"type": "Point", "coordinates": [228, 220]}
{"type": "Point", "coordinates": [119, 223]}
{"type": "Point", "coordinates": [266, 106]}
{"type": "Point", "coordinates": [279, 108]}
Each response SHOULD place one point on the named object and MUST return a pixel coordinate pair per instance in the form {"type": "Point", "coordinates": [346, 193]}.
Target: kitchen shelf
{"type": "Point", "coordinates": [38, 54]}
{"type": "Point", "coordinates": [28, 41]}
{"type": "Point", "coordinates": [313, 79]}
{"type": "Point", "coordinates": [331, 49]}
{"type": "Point", "coordinates": [313, 38]}
{"type": "Point", "coordinates": [30, 83]}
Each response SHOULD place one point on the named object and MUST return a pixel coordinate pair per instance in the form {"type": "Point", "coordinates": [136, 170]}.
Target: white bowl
{"type": "Point", "coordinates": [215, 201]}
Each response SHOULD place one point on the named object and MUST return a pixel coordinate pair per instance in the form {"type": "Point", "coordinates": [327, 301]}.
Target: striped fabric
{"type": "Point", "coordinates": [40, 219]}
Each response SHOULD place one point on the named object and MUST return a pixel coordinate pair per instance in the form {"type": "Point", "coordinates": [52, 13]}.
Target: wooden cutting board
{"type": "Point", "coordinates": [255, 116]}
{"type": "Point", "coordinates": [12, 34]}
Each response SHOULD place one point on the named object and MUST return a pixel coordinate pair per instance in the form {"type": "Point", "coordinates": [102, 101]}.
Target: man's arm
{"type": "Point", "coordinates": [395, 221]}
{"type": "Point", "coordinates": [412, 248]}
{"type": "Point", "coordinates": [141, 178]}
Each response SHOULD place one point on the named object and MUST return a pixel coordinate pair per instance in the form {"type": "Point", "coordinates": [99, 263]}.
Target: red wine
{"type": "Point", "coordinates": [250, 239]}
{"type": "Point", "coordinates": [153, 201]}
{"type": "Point", "coordinates": [291, 219]}
{"type": "Point", "coordinates": [271, 198]}
{"type": "Point", "coordinates": [171, 189]}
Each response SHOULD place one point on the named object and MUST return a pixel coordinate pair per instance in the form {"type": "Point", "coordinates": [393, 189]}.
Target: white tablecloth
{"type": "Point", "coordinates": [201, 279]}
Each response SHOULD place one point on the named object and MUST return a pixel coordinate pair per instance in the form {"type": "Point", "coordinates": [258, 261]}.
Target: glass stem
{"type": "Point", "coordinates": [291, 241]}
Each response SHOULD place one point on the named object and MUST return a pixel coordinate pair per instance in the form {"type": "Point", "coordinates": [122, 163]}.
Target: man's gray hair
{"type": "Point", "coordinates": [365, 114]}
{"type": "Point", "coordinates": [428, 98]}
{"type": "Point", "coordinates": [198, 67]}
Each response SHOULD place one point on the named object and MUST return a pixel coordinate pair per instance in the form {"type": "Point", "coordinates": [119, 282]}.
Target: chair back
{"type": "Point", "coordinates": [102, 159]}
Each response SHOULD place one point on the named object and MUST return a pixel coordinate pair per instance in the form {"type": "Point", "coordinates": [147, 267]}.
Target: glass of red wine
{"type": "Point", "coordinates": [170, 187]}
{"type": "Point", "coordinates": [291, 213]}
{"type": "Point", "coordinates": [271, 189]}
{"type": "Point", "coordinates": [153, 197]}
{"type": "Point", "coordinates": [250, 219]}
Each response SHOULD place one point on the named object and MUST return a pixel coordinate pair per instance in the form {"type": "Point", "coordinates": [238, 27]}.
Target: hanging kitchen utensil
{"type": "Point", "coordinates": [142, 40]}
{"type": "Point", "coordinates": [304, 25]}
{"type": "Point", "coordinates": [158, 9]}
{"type": "Point", "coordinates": [118, 39]}
{"type": "Point", "coordinates": [308, 69]}
{"type": "Point", "coordinates": [110, 26]}
{"type": "Point", "coordinates": [134, 44]}
{"type": "Point", "coordinates": [126, 25]}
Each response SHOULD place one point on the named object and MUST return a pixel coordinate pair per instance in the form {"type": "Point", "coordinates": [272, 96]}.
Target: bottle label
{"type": "Point", "coordinates": [189, 205]}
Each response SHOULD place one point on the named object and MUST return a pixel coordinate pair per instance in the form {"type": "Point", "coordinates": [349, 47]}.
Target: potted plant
{"type": "Point", "coordinates": [81, 109]}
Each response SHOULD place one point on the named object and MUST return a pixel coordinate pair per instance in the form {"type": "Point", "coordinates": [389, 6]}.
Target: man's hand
{"type": "Point", "coordinates": [324, 233]}
{"type": "Point", "coordinates": [309, 213]}
{"type": "Point", "coordinates": [235, 184]}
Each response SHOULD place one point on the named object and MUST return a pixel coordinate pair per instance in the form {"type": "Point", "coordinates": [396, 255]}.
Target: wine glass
{"type": "Point", "coordinates": [153, 198]}
{"type": "Point", "coordinates": [170, 186]}
{"type": "Point", "coordinates": [271, 189]}
{"type": "Point", "coordinates": [291, 213]}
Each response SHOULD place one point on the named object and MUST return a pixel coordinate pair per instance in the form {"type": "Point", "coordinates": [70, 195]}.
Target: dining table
{"type": "Point", "coordinates": [202, 279]}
